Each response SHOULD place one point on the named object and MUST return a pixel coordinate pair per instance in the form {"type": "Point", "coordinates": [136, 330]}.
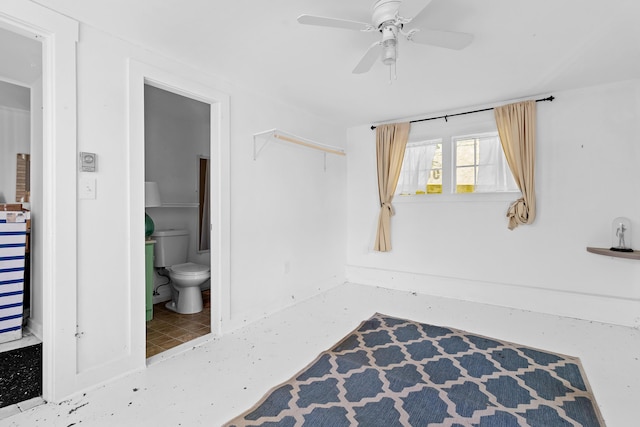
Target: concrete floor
{"type": "Point", "coordinates": [221, 378]}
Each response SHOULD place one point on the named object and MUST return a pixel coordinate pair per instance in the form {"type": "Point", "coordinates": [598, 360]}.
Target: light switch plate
{"type": "Point", "coordinates": [88, 162]}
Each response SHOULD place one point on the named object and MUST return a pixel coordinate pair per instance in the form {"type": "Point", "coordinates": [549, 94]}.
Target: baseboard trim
{"type": "Point", "coordinates": [35, 328]}
{"type": "Point", "coordinates": [598, 308]}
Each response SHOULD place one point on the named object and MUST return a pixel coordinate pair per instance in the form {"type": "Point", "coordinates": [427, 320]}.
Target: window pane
{"type": "Point", "coordinates": [465, 152]}
{"type": "Point", "coordinates": [466, 161]}
{"type": "Point", "coordinates": [489, 159]}
{"type": "Point", "coordinates": [494, 174]}
{"type": "Point", "coordinates": [420, 159]}
{"type": "Point", "coordinates": [434, 185]}
{"type": "Point", "coordinates": [481, 166]}
{"type": "Point", "coordinates": [465, 179]}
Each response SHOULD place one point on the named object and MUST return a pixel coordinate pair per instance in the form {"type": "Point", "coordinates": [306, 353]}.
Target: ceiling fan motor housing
{"type": "Point", "coordinates": [384, 11]}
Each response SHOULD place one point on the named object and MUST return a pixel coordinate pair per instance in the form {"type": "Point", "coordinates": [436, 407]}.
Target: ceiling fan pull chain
{"type": "Point", "coordinates": [393, 75]}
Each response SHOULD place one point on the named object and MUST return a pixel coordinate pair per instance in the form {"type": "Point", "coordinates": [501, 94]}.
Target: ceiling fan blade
{"type": "Point", "coordinates": [413, 8]}
{"type": "Point", "coordinates": [369, 58]}
{"type": "Point", "coordinates": [446, 39]}
{"type": "Point", "coordinates": [334, 23]}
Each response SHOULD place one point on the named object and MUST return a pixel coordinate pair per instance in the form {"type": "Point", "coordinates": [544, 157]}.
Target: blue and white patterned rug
{"type": "Point", "coordinates": [394, 372]}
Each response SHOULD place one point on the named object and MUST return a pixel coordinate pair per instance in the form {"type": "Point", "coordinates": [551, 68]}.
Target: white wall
{"type": "Point", "coordinates": [284, 208]}
{"type": "Point", "coordinates": [587, 156]}
{"type": "Point", "coordinates": [13, 95]}
{"type": "Point", "coordinates": [14, 135]}
{"type": "Point", "coordinates": [288, 217]}
{"type": "Point", "coordinates": [14, 138]}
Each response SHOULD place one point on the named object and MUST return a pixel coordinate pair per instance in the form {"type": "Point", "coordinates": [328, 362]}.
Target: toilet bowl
{"type": "Point", "coordinates": [170, 255]}
{"type": "Point", "coordinates": [186, 279]}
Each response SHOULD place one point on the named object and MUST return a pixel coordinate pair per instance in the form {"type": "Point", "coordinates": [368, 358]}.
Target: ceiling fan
{"type": "Point", "coordinates": [390, 17]}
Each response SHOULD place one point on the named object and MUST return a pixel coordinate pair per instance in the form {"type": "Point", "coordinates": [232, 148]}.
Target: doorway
{"type": "Point", "coordinates": [21, 144]}
{"type": "Point", "coordinates": [21, 139]}
{"type": "Point", "coordinates": [142, 75]}
{"type": "Point", "coordinates": [177, 139]}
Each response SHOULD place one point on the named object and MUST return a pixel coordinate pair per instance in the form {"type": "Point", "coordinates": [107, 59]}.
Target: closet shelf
{"type": "Point", "coordinates": [609, 252]}
{"type": "Point", "coordinates": [289, 137]}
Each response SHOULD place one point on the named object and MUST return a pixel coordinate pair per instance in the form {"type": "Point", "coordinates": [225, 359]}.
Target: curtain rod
{"type": "Point", "coordinates": [446, 117]}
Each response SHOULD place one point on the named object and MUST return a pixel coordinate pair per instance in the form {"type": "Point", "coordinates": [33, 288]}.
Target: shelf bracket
{"type": "Point", "coordinates": [265, 136]}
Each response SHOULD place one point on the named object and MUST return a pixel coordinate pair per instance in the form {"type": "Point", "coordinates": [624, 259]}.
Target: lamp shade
{"type": "Point", "coordinates": [151, 195]}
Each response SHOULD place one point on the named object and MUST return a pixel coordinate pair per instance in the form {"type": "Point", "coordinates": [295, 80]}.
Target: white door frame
{"type": "Point", "coordinates": [56, 228]}
{"type": "Point", "coordinates": [139, 75]}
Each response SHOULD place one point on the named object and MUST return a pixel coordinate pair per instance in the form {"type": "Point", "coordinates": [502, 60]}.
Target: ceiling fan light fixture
{"type": "Point", "coordinates": [389, 52]}
{"type": "Point", "coordinates": [389, 44]}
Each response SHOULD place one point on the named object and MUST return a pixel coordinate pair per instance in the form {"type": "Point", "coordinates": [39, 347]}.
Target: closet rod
{"type": "Point", "coordinates": [289, 137]}
{"type": "Point", "coordinates": [446, 117]}
{"type": "Point", "coordinates": [308, 144]}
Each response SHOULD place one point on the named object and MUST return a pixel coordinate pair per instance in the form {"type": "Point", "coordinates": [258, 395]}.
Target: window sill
{"type": "Point", "coordinates": [465, 197]}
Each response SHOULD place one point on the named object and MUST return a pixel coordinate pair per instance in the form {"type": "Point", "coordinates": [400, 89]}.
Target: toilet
{"type": "Point", "coordinates": [170, 252]}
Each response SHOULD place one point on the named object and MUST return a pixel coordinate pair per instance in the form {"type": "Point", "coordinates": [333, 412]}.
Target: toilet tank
{"type": "Point", "coordinates": [171, 248]}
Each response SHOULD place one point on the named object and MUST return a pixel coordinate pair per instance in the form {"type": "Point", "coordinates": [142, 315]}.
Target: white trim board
{"type": "Point", "coordinates": [617, 311]}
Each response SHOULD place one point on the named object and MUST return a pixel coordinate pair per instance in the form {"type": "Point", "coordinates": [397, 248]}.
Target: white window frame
{"type": "Point", "coordinates": [504, 166]}
{"type": "Point", "coordinates": [448, 175]}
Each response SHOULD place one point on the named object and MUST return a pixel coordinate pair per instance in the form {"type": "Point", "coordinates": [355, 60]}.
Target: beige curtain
{"type": "Point", "coordinates": [391, 141]}
{"type": "Point", "coordinates": [517, 130]}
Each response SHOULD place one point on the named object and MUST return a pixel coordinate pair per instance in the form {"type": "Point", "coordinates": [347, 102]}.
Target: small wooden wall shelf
{"type": "Point", "coordinates": [289, 137]}
{"type": "Point", "coordinates": [609, 252]}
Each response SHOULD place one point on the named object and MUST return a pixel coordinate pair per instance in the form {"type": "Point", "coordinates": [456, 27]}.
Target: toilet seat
{"type": "Point", "coordinates": [189, 269]}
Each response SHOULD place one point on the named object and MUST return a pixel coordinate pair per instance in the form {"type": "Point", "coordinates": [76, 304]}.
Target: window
{"type": "Point", "coordinates": [421, 168]}
{"type": "Point", "coordinates": [478, 165]}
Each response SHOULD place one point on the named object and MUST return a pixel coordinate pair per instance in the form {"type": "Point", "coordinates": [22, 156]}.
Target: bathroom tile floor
{"type": "Point", "coordinates": [168, 329]}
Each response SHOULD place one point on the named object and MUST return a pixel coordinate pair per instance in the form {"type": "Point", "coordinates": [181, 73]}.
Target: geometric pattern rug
{"type": "Point", "coordinates": [395, 372]}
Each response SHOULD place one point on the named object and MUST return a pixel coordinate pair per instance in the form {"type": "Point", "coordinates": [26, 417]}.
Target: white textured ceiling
{"type": "Point", "coordinates": [521, 48]}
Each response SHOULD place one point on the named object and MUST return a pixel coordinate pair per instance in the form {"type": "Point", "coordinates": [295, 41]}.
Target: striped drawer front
{"type": "Point", "coordinates": [12, 249]}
